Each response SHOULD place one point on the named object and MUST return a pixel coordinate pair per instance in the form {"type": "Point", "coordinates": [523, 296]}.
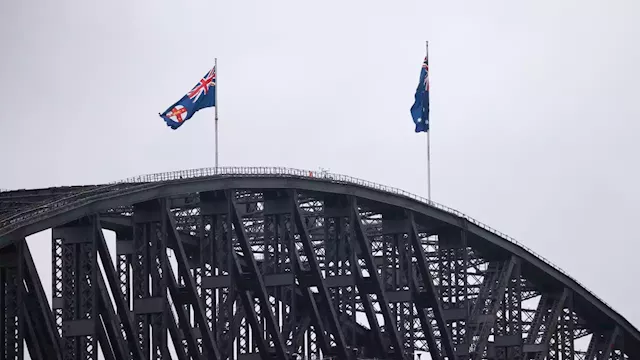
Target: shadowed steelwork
{"type": "Point", "coordinates": [271, 263]}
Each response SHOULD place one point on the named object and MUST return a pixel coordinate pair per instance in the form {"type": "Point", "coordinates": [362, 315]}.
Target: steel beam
{"type": "Point", "coordinates": [110, 337]}
{"type": "Point", "coordinates": [568, 320]}
{"type": "Point", "coordinates": [44, 219]}
{"type": "Point", "coordinates": [212, 216]}
{"type": "Point", "coordinates": [108, 352]}
{"type": "Point", "coordinates": [185, 330]}
{"type": "Point", "coordinates": [608, 343]}
{"type": "Point", "coordinates": [177, 337]}
{"type": "Point", "coordinates": [400, 279]}
{"type": "Point", "coordinates": [360, 265]}
{"type": "Point", "coordinates": [79, 290]}
{"type": "Point", "coordinates": [253, 281]}
{"type": "Point", "coordinates": [489, 305]}
{"type": "Point", "coordinates": [544, 304]}
{"type": "Point", "coordinates": [43, 338]}
{"type": "Point", "coordinates": [453, 265]}
{"type": "Point", "coordinates": [218, 294]}
{"type": "Point", "coordinates": [373, 280]}
{"type": "Point", "coordinates": [335, 249]}
{"type": "Point", "coordinates": [191, 291]}
{"type": "Point", "coordinates": [124, 255]}
{"type": "Point", "coordinates": [150, 267]}
{"type": "Point", "coordinates": [602, 344]}
{"type": "Point", "coordinates": [507, 341]}
{"type": "Point", "coordinates": [192, 297]}
{"type": "Point", "coordinates": [57, 301]}
{"type": "Point", "coordinates": [545, 323]}
{"type": "Point", "coordinates": [430, 293]}
{"type": "Point", "coordinates": [313, 277]}
{"type": "Point", "coordinates": [128, 333]}
{"type": "Point", "coordinates": [36, 349]}
{"type": "Point", "coordinates": [278, 265]}
{"type": "Point", "coordinates": [314, 322]}
{"type": "Point", "coordinates": [418, 302]}
{"type": "Point", "coordinates": [12, 296]}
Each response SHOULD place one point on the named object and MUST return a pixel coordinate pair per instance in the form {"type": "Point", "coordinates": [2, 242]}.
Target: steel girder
{"type": "Point", "coordinates": [266, 273]}
{"type": "Point", "coordinates": [12, 291]}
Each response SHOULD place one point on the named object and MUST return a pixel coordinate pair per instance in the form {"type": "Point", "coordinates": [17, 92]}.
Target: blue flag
{"type": "Point", "coordinates": [201, 96]}
{"type": "Point", "coordinates": [420, 108]}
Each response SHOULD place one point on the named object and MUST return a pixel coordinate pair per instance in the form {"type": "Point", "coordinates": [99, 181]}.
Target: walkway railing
{"type": "Point", "coordinates": [39, 211]}
{"type": "Point", "coordinates": [59, 205]}
{"type": "Point", "coordinates": [337, 178]}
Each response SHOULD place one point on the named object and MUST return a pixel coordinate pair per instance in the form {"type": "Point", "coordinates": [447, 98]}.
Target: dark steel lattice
{"type": "Point", "coordinates": [268, 271]}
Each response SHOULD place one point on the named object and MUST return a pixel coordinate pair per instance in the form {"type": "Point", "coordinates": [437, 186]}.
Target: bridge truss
{"type": "Point", "coordinates": [248, 264]}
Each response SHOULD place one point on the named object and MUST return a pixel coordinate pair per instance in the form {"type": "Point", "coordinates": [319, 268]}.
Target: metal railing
{"type": "Point", "coordinates": [60, 205]}
{"type": "Point", "coordinates": [33, 214]}
{"type": "Point", "coordinates": [337, 178]}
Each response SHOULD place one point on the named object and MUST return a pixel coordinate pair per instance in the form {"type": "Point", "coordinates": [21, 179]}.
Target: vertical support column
{"type": "Point", "coordinates": [245, 345]}
{"type": "Point", "coordinates": [277, 265]}
{"type": "Point", "coordinates": [490, 299]}
{"type": "Point", "coordinates": [196, 265]}
{"type": "Point", "coordinates": [567, 320]}
{"type": "Point", "coordinates": [371, 284]}
{"type": "Point", "coordinates": [206, 233]}
{"type": "Point", "coordinates": [404, 306]}
{"type": "Point", "coordinates": [188, 298]}
{"type": "Point", "coordinates": [252, 289]}
{"type": "Point", "coordinates": [553, 352]}
{"type": "Point", "coordinates": [124, 253]}
{"type": "Point", "coordinates": [149, 278]}
{"type": "Point", "coordinates": [159, 320]}
{"type": "Point", "coordinates": [310, 276]}
{"type": "Point", "coordinates": [338, 262]}
{"type": "Point", "coordinates": [244, 341]}
{"type": "Point", "coordinates": [542, 340]}
{"type": "Point", "coordinates": [218, 294]}
{"type": "Point", "coordinates": [427, 299]}
{"type": "Point", "coordinates": [397, 275]}
{"type": "Point", "coordinates": [453, 257]}
{"type": "Point", "coordinates": [12, 302]}
{"type": "Point", "coordinates": [269, 264]}
{"type": "Point", "coordinates": [312, 350]}
{"type": "Point", "coordinates": [508, 339]}
{"type": "Point", "coordinates": [57, 302]}
{"type": "Point", "coordinates": [79, 279]}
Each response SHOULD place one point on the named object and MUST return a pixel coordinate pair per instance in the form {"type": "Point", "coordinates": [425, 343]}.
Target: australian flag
{"type": "Point", "coordinates": [420, 108]}
{"type": "Point", "coordinates": [201, 96]}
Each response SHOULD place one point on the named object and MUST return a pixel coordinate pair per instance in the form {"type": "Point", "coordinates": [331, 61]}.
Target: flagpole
{"type": "Point", "coordinates": [215, 95]}
{"type": "Point", "coordinates": [428, 168]}
{"type": "Point", "coordinates": [428, 141]}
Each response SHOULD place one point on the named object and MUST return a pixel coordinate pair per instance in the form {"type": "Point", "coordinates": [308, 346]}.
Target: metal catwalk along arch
{"type": "Point", "coordinates": [246, 263]}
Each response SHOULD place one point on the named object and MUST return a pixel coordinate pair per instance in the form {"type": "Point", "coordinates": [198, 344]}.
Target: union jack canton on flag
{"type": "Point", "coordinates": [202, 95]}
{"type": "Point", "coordinates": [420, 108]}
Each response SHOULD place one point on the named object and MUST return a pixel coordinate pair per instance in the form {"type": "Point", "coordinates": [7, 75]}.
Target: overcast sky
{"type": "Point", "coordinates": [534, 108]}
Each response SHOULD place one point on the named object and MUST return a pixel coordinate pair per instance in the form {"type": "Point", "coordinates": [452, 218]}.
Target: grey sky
{"type": "Point", "coordinates": [534, 106]}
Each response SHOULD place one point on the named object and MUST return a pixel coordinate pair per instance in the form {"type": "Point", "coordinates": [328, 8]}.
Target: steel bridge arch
{"type": "Point", "coordinates": [96, 199]}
